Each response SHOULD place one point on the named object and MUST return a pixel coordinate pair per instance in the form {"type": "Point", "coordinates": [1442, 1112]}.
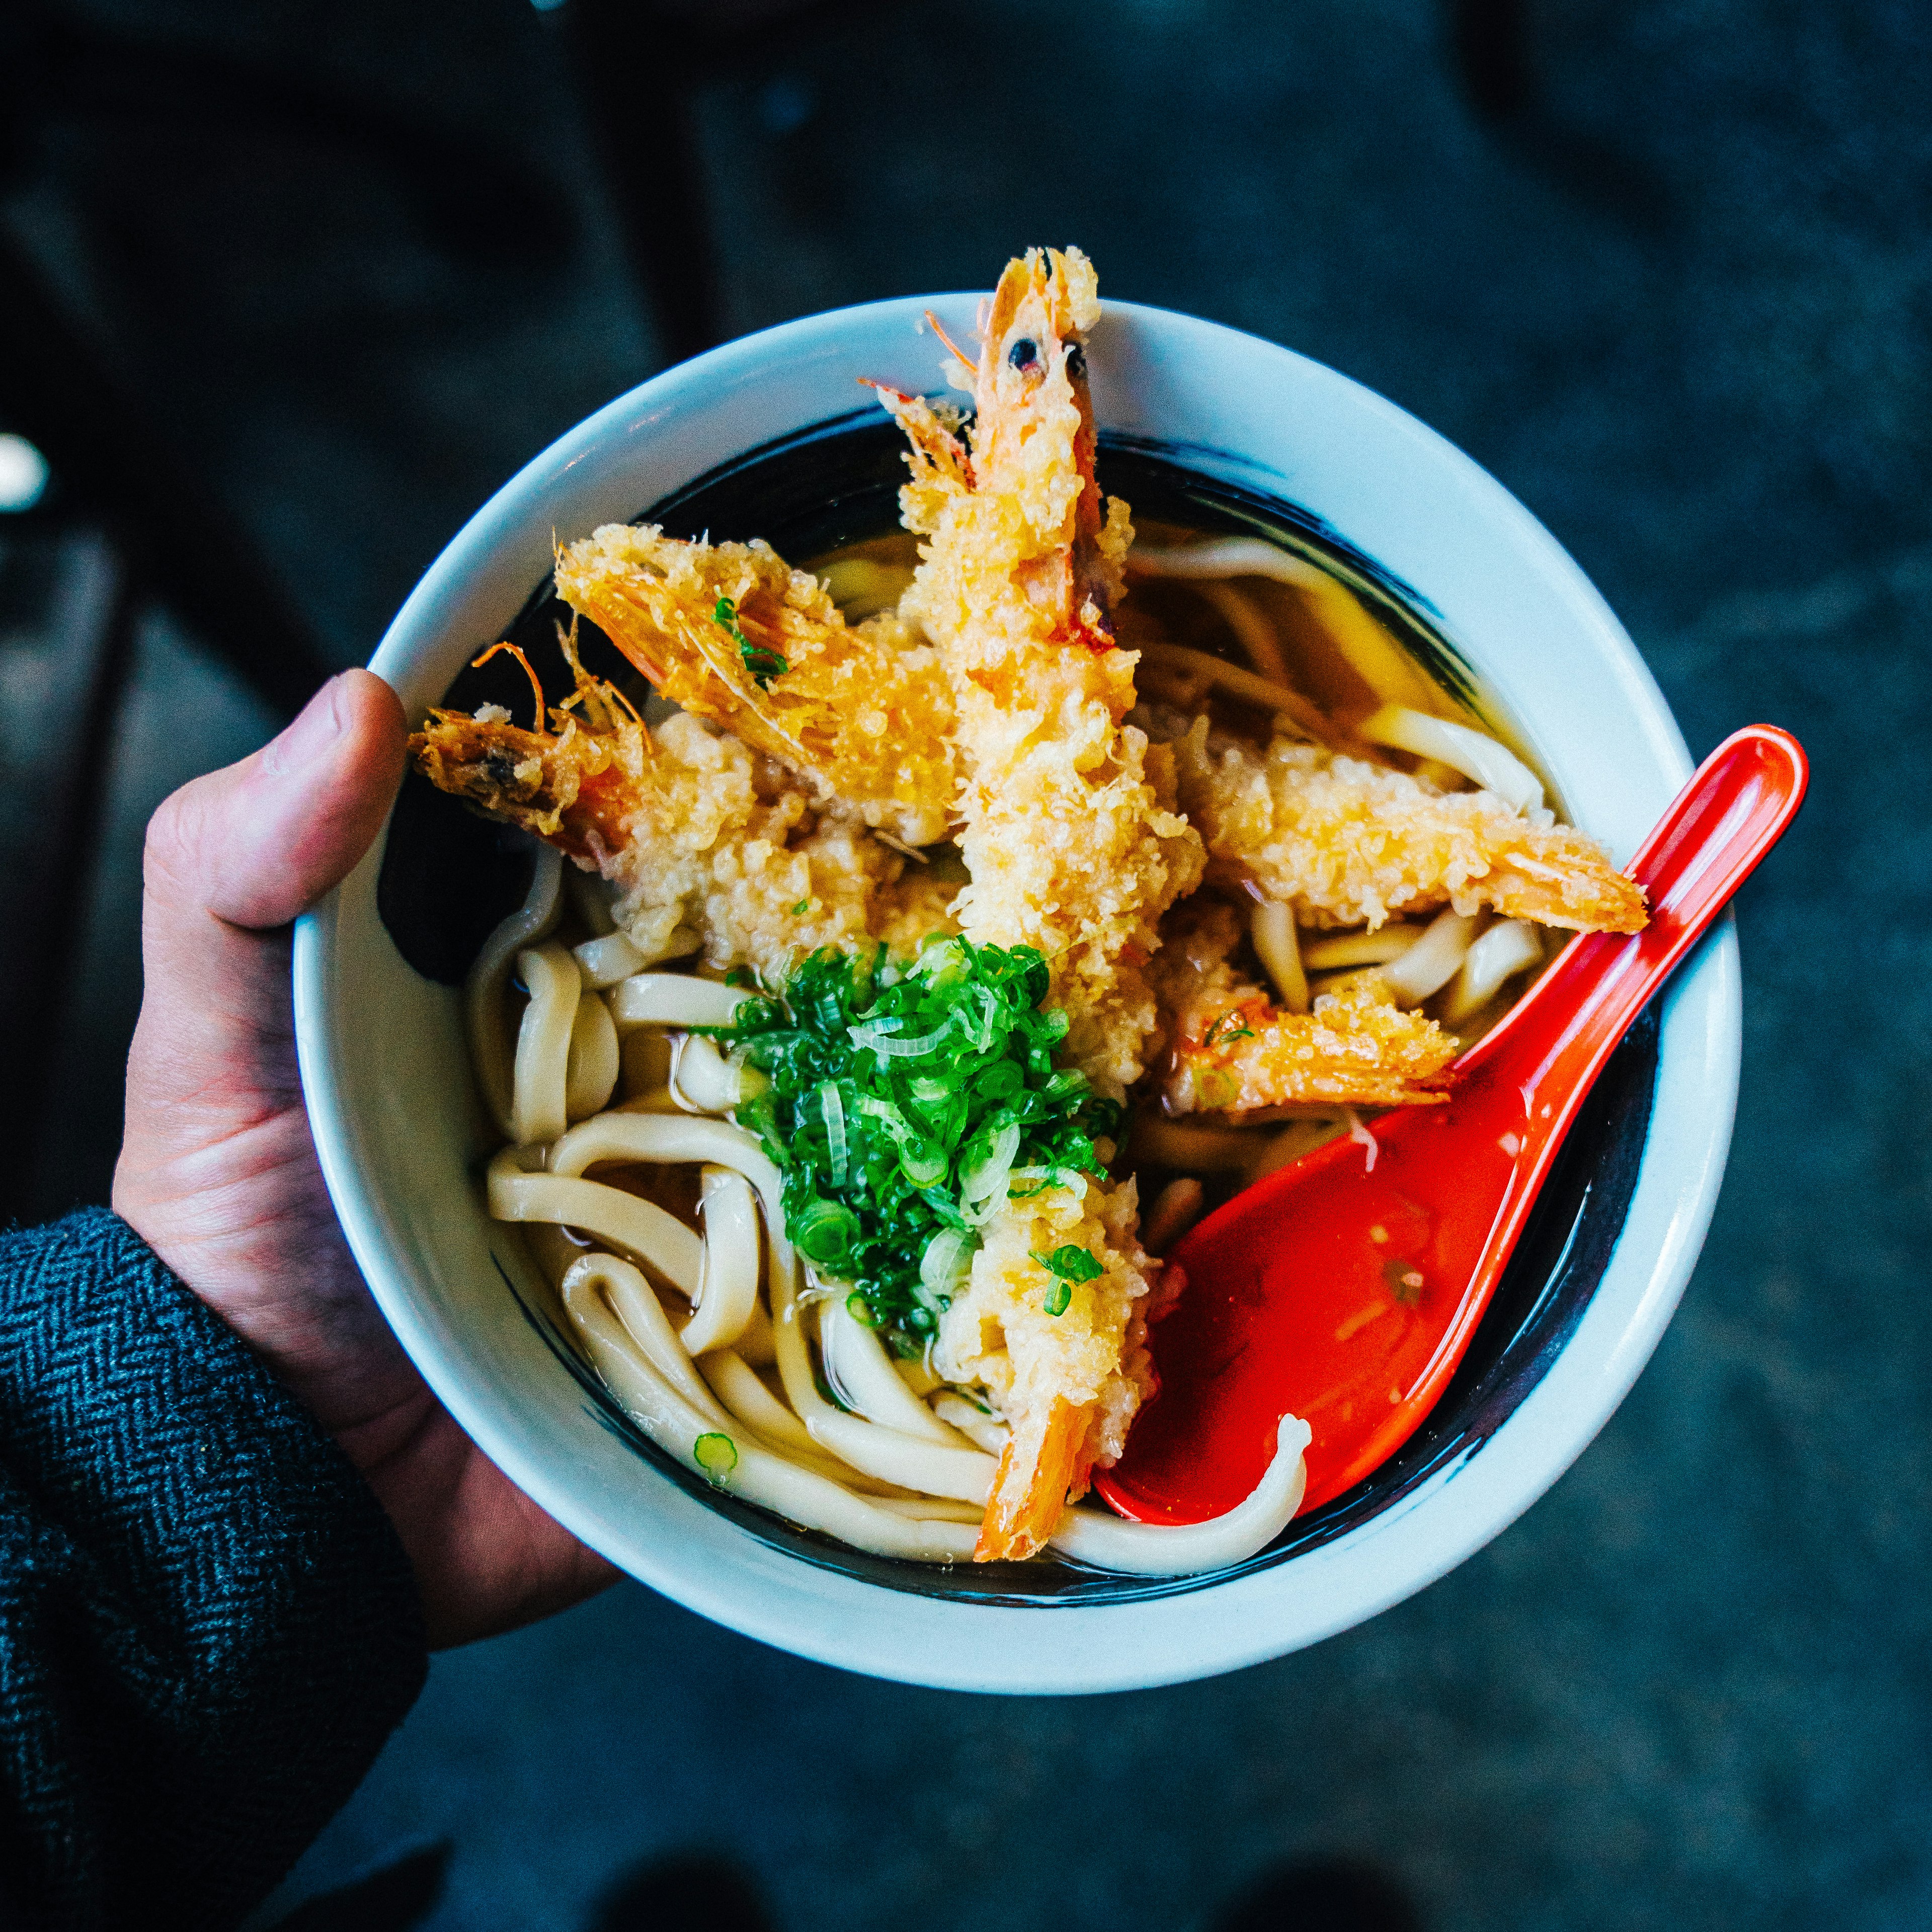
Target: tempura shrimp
{"type": "Point", "coordinates": [714, 848]}
{"type": "Point", "coordinates": [1344, 842]}
{"type": "Point", "coordinates": [1073, 845]}
{"type": "Point", "coordinates": [731, 632]}
{"type": "Point", "coordinates": [1234, 1050]}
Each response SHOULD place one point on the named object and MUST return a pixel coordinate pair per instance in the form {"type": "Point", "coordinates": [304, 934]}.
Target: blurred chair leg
{"type": "Point", "coordinates": [1490, 41]}
{"type": "Point", "coordinates": [78, 655]}
{"type": "Point", "coordinates": [692, 1891]}
{"type": "Point", "coordinates": [635, 71]}
{"type": "Point", "coordinates": [58, 387]}
{"type": "Point", "coordinates": [1323, 1895]}
{"type": "Point", "coordinates": [398, 1897]}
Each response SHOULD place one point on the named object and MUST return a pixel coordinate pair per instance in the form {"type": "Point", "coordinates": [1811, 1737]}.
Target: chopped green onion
{"type": "Point", "coordinates": [923, 1163]}
{"type": "Point", "coordinates": [894, 1045]}
{"type": "Point", "coordinates": [823, 1230]}
{"type": "Point", "coordinates": [986, 1179]}
{"type": "Point", "coordinates": [1071, 1264]}
{"type": "Point", "coordinates": [1057, 1297]}
{"type": "Point", "coordinates": [1243, 1031]}
{"type": "Point", "coordinates": [832, 1111]}
{"type": "Point", "coordinates": [947, 1262]}
{"type": "Point", "coordinates": [906, 1104]}
{"type": "Point", "coordinates": [763, 664]}
{"type": "Point", "coordinates": [716, 1455]}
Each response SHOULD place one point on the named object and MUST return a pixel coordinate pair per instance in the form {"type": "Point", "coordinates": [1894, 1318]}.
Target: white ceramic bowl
{"type": "Point", "coordinates": [384, 1067]}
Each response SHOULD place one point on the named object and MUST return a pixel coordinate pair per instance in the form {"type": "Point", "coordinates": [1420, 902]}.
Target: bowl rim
{"type": "Point", "coordinates": [846, 1621]}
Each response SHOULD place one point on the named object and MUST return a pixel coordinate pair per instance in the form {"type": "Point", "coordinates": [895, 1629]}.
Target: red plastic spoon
{"type": "Point", "coordinates": [1345, 1288]}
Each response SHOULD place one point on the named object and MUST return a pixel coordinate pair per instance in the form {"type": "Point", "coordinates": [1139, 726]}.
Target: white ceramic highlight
{"type": "Point", "coordinates": [382, 1051]}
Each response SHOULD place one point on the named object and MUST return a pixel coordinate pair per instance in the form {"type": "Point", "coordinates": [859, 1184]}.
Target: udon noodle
{"type": "Point", "coordinates": [946, 900]}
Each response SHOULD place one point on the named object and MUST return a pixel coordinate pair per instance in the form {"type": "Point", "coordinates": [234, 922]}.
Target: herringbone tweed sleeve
{"type": "Point", "coordinates": [207, 1627]}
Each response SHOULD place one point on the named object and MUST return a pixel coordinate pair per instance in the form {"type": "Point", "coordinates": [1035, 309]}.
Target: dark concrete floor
{"type": "Point", "coordinates": [1684, 308]}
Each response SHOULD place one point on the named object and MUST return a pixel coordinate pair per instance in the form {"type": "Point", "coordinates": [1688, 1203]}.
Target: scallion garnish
{"type": "Point", "coordinates": [1067, 1264]}
{"type": "Point", "coordinates": [906, 1104]}
{"type": "Point", "coordinates": [716, 1454]}
{"type": "Point", "coordinates": [763, 664]}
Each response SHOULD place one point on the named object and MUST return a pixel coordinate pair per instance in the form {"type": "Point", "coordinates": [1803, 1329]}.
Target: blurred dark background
{"type": "Point", "coordinates": [287, 290]}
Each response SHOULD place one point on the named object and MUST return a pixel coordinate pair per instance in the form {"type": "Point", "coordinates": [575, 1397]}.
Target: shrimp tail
{"type": "Point", "coordinates": [1039, 1464]}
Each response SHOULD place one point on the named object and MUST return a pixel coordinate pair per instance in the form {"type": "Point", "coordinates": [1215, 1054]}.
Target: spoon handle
{"type": "Point", "coordinates": [1721, 825]}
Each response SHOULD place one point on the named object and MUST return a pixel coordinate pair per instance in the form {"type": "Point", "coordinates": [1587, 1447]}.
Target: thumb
{"type": "Point", "coordinates": [217, 1173]}
{"type": "Point", "coordinates": [231, 858]}
{"type": "Point", "coordinates": [259, 842]}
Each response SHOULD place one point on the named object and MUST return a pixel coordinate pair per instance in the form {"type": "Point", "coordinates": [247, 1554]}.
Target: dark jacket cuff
{"type": "Point", "coordinates": [208, 1628]}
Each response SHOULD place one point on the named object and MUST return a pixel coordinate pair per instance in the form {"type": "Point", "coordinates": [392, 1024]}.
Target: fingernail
{"type": "Point", "coordinates": [309, 738]}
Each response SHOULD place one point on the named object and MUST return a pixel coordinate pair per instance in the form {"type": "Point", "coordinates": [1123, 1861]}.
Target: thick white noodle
{"type": "Point", "coordinates": [539, 1086]}
{"type": "Point", "coordinates": [862, 1376]}
{"type": "Point", "coordinates": [728, 1286]}
{"type": "Point", "coordinates": [911, 1461]}
{"type": "Point", "coordinates": [1229, 557]}
{"type": "Point", "coordinates": [987, 1432]}
{"type": "Point", "coordinates": [1474, 754]}
{"type": "Point", "coordinates": [887, 1454]}
{"type": "Point", "coordinates": [605, 960]}
{"type": "Point", "coordinates": [702, 1080]}
{"type": "Point", "coordinates": [1508, 946]}
{"type": "Point", "coordinates": [1359, 949]}
{"type": "Point", "coordinates": [639, 1227]}
{"type": "Point", "coordinates": [592, 1065]}
{"type": "Point", "coordinates": [1431, 962]}
{"type": "Point", "coordinates": [899, 1476]}
{"type": "Point", "coordinates": [644, 1315]}
{"type": "Point", "coordinates": [759, 1474]}
{"type": "Point", "coordinates": [738, 1388]}
{"type": "Point", "coordinates": [490, 977]}
{"type": "Point", "coordinates": [932, 1509]}
{"type": "Point", "coordinates": [760, 1411]}
{"type": "Point", "coordinates": [1346, 622]}
{"type": "Point", "coordinates": [674, 1000]}
{"type": "Point", "coordinates": [590, 899]}
{"type": "Point", "coordinates": [673, 1137]}
{"type": "Point", "coordinates": [1252, 630]}
{"type": "Point", "coordinates": [1184, 1549]}
{"type": "Point", "coordinates": [1280, 953]}
{"type": "Point", "coordinates": [639, 1310]}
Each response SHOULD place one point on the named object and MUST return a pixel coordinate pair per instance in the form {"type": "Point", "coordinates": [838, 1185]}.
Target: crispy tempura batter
{"type": "Point", "coordinates": [1068, 1384]}
{"type": "Point", "coordinates": [1234, 1052]}
{"type": "Point", "coordinates": [1347, 843]}
{"type": "Point", "coordinates": [1071, 837]}
{"type": "Point", "coordinates": [712, 845]}
{"type": "Point", "coordinates": [861, 711]}
{"type": "Point", "coordinates": [1072, 840]}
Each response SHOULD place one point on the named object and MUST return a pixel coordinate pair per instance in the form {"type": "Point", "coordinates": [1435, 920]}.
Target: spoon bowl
{"type": "Point", "coordinates": [1345, 1288]}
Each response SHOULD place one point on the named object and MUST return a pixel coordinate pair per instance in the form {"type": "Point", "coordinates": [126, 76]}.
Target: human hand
{"type": "Point", "coordinates": [217, 1173]}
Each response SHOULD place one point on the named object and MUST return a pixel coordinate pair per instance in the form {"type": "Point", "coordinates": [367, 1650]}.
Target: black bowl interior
{"type": "Point", "coordinates": [447, 878]}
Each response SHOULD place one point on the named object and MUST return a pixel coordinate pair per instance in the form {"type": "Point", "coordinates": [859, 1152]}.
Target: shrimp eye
{"type": "Point", "coordinates": [1025, 354]}
{"type": "Point", "coordinates": [1076, 362]}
